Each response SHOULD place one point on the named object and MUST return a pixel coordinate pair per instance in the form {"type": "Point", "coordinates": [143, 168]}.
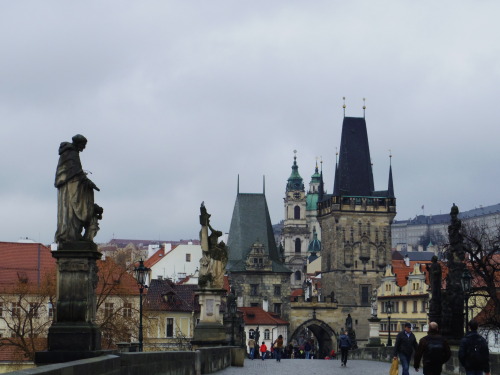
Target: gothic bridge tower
{"type": "Point", "coordinates": [355, 228]}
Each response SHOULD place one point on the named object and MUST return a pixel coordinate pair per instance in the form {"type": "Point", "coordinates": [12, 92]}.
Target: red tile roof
{"type": "Point", "coordinates": [257, 316]}
{"type": "Point", "coordinates": [401, 270]}
{"type": "Point", "coordinates": [31, 261]}
{"type": "Point", "coordinates": [156, 257]}
{"type": "Point", "coordinates": [115, 280]}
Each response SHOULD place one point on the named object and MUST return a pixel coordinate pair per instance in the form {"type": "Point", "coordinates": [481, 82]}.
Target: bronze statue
{"type": "Point", "coordinates": [76, 209]}
{"type": "Point", "coordinates": [435, 304]}
{"type": "Point", "coordinates": [214, 254]}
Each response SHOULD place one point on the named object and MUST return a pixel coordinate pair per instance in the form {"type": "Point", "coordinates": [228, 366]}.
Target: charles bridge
{"type": "Point", "coordinates": [225, 360]}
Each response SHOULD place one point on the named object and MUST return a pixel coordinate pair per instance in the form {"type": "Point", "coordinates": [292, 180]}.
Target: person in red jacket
{"type": "Point", "coordinates": [263, 350]}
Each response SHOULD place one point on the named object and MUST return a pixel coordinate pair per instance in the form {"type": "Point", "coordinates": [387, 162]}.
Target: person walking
{"type": "Point", "coordinates": [434, 351]}
{"type": "Point", "coordinates": [473, 353]}
{"type": "Point", "coordinates": [406, 344]}
{"type": "Point", "coordinates": [263, 350]}
{"type": "Point", "coordinates": [307, 349]}
{"type": "Point", "coordinates": [278, 348]}
{"type": "Point", "coordinates": [345, 345]}
{"type": "Point", "coordinates": [251, 347]}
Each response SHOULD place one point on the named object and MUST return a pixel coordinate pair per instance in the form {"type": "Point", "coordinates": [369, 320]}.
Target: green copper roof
{"type": "Point", "coordinates": [312, 201]}
{"type": "Point", "coordinates": [295, 182]}
{"type": "Point", "coordinates": [316, 177]}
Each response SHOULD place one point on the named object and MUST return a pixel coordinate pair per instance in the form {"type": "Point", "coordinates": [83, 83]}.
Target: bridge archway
{"type": "Point", "coordinates": [324, 334]}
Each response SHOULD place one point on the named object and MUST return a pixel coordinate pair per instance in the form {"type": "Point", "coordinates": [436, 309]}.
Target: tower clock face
{"type": "Point", "coordinates": [296, 195]}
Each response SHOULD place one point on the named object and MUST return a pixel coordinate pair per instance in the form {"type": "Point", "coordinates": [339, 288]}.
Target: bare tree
{"type": "Point", "coordinates": [27, 313]}
{"type": "Point", "coordinates": [482, 254]}
{"type": "Point", "coordinates": [117, 310]}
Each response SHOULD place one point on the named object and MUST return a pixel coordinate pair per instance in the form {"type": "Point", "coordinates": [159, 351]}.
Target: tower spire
{"type": "Point", "coordinates": [390, 188]}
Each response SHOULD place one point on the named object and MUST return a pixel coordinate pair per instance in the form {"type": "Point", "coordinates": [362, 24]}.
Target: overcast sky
{"type": "Point", "coordinates": [176, 98]}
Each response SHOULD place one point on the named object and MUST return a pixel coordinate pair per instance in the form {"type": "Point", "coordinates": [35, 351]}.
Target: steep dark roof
{"type": "Point", "coordinates": [251, 223]}
{"type": "Point", "coordinates": [355, 176]}
{"type": "Point", "coordinates": [163, 295]}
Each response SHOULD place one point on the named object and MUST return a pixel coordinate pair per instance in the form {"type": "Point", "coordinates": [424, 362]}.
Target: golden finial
{"type": "Point", "coordinates": [343, 98]}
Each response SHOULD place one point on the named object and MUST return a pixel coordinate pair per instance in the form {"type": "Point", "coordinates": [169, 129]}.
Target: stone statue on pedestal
{"type": "Point", "coordinates": [214, 254]}
{"type": "Point", "coordinates": [76, 209]}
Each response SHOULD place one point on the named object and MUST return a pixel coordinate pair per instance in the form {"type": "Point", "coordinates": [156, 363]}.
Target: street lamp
{"type": "Point", "coordinates": [141, 275]}
{"type": "Point", "coordinates": [231, 299]}
{"type": "Point", "coordinates": [388, 309]}
{"type": "Point", "coordinates": [466, 282]}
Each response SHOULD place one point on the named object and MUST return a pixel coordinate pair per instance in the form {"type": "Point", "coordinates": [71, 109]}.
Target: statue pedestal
{"type": "Point", "coordinates": [374, 336]}
{"type": "Point", "coordinates": [209, 331]}
{"type": "Point", "coordinates": [73, 334]}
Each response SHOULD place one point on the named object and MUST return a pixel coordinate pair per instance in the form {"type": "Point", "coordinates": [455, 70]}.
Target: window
{"type": "Point", "coordinates": [267, 334]}
{"type": "Point", "coordinates": [33, 311]}
{"type": "Point", "coordinates": [277, 290]}
{"type": "Point", "coordinates": [414, 306]}
{"type": "Point", "coordinates": [298, 276]}
{"type": "Point", "coordinates": [277, 308]}
{"type": "Point", "coordinates": [254, 289]}
{"type": "Point", "coordinates": [395, 307]}
{"type": "Point", "coordinates": [296, 212]}
{"type": "Point", "coordinates": [423, 305]}
{"type": "Point", "coordinates": [188, 257]}
{"type": "Point", "coordinates": [404, 306]}
{"type": "Point", "coordinates": [16, 308]}
{"type": "Point", "coordinates": [50, 310]}
{"type": "Point", "coordinates": [387, 287]}
{"type": "Point", "coordinates": [365, 295]}
{"type": "Point", "coordinates": [108, 309]}
{"type": "Point", "coordinates": [297, 245]}
{"type": "Point", "coordinates": [170, 327]}
{"type": "Point", "coordinates": [127, 310]}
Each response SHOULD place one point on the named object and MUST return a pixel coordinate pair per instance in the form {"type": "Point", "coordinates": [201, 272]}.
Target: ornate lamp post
{"type": "Point", "coordinates": [466, 282]}
{"type": "Point", "coordinates": [232, 312]}
{"type": "Point", "coordinates": [141, 275]}
{"type": "Point", "coordinates": [388, 309]}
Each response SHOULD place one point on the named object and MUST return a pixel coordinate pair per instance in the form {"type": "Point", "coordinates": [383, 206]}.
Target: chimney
{"type": "Point", "coordinates": [407, 260]}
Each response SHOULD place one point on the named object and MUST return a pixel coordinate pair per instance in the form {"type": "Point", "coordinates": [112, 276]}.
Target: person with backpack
{"type": "Point", "coordinates": [406, 344]}
{"type": "Point", "coordinates": [473, 353]}
{"type": "Point", "coordinates": [434, 351]}
{"type": "Point", "coordinates": [345, 344]}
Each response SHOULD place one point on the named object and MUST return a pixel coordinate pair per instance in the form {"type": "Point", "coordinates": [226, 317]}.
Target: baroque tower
{"type": "Point", "coordinates": [295, 229]}
{"type": "Point", "coordinates": [355, 228]}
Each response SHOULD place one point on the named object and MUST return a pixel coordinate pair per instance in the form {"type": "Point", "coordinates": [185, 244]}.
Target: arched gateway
{"type": "Point", "coordinates": [324, 334]}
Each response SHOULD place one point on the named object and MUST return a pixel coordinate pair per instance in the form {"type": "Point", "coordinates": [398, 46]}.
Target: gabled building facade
{"type": "Point", "coordinates": [255, 268]}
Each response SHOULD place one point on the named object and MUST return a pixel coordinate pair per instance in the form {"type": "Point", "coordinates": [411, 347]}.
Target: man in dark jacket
{"type": "Point", "coordinates": [406, 343]}
{"type": "Point", "coordinates": [345, 344]}
{"type": "Point", "coordinates": [435, 351]}
{"type": "Point", "coordinates": [474, 354]}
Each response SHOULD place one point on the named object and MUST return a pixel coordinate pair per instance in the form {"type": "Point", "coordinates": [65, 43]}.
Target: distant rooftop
{"type": "Point", "coordinates": [445, 218]}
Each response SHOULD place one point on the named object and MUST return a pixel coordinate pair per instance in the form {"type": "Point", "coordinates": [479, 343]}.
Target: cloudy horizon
{"type": "Point", "coordinates": [178, 98]}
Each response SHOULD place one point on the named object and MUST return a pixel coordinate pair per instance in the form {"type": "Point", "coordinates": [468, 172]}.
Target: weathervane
{"type": "Point", "coordinates": [343, 98]}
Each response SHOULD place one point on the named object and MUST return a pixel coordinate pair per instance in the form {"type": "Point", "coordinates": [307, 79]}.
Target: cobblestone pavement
{"type": "Point", "coordinates": [311, 367]}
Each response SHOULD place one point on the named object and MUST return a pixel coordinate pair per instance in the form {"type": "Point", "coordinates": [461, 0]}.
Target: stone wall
{"type": "Point", "coordinates": [202, 361]}
{"type": "Point", "coordinates": [452, 367]}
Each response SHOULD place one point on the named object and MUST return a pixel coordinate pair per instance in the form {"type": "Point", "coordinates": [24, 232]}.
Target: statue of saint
{"type": "Point", "coordinates": [374, 303]}
{"type": "Point", "coordinates": [76, 209]}
{"type": "Point", "coordinates": [435, 280]}
{"type": "Point", "coordinates": [214, 254]}
{"type": "Point", "coordinates": [348, 322]}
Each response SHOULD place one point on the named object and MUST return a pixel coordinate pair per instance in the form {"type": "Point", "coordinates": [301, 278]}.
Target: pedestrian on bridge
{"type": "Point", "coordinates": [406, 344]}
{"type": "Point", "coordinates": [435, 351]}
{"type": "Point", "coordinates": [263, 350]}
{"type": "Point", "coordinates": [345, 345]}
